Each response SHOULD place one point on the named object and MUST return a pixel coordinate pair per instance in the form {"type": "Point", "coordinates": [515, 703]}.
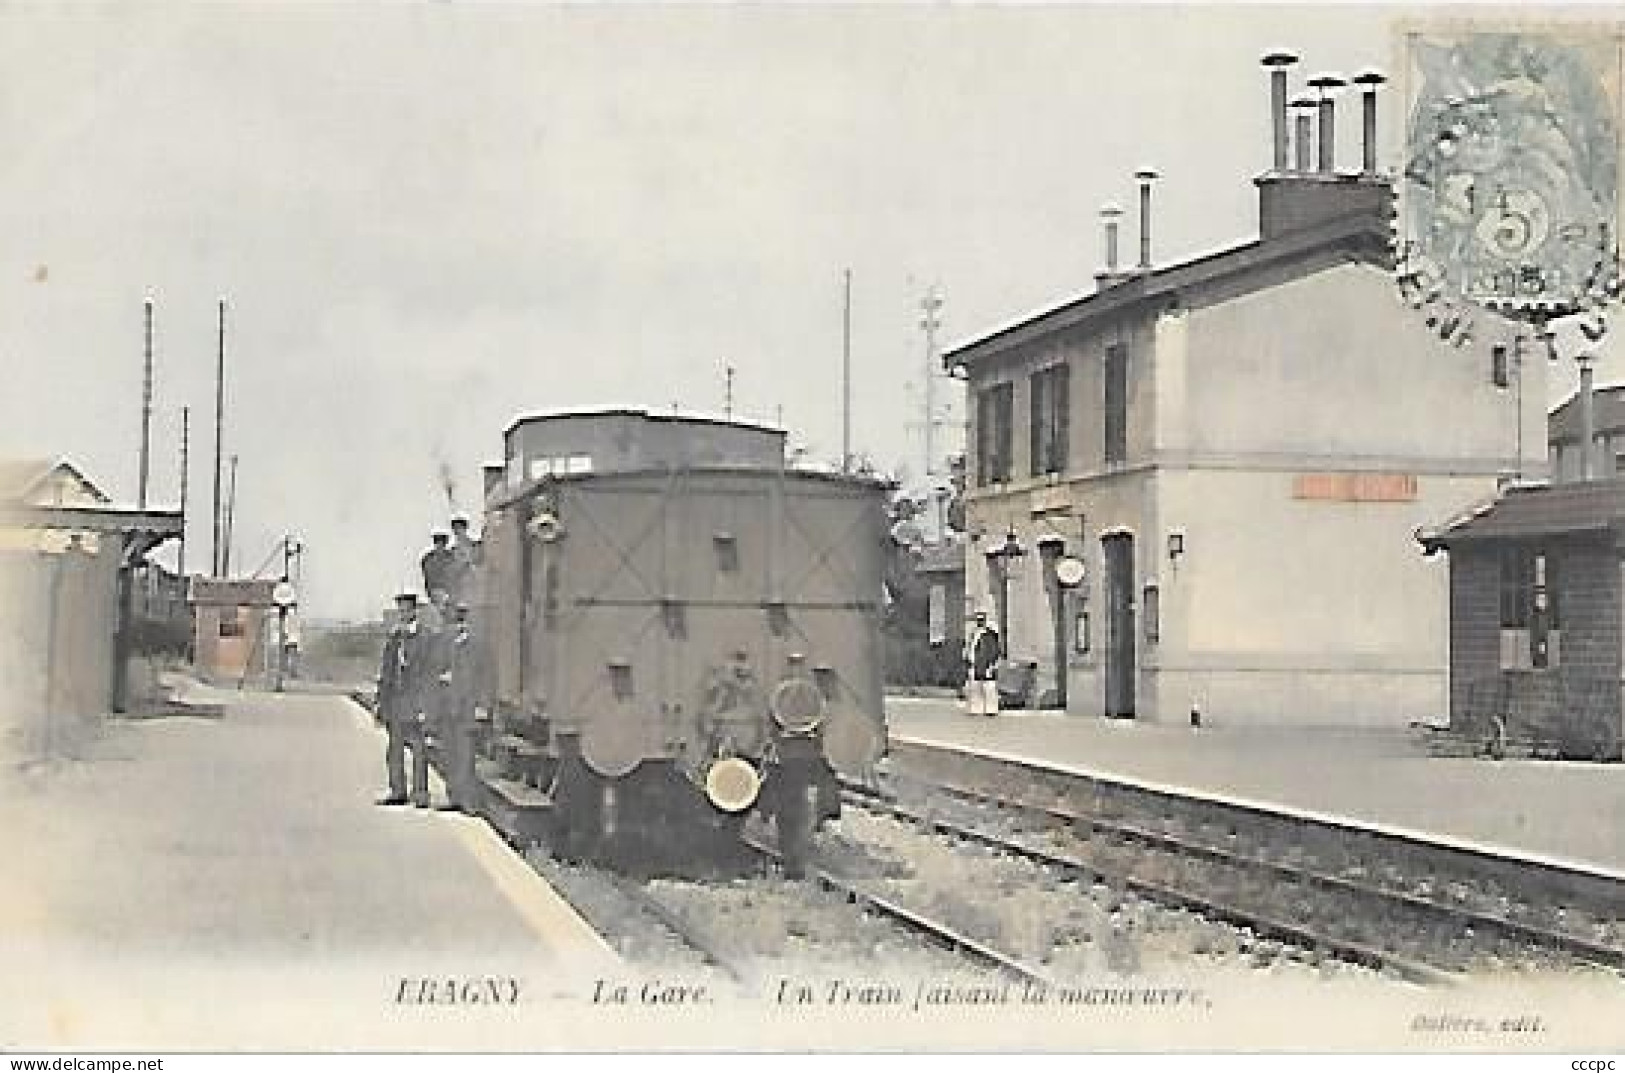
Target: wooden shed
{"type": "Point", "coordinates": [1536, 631]}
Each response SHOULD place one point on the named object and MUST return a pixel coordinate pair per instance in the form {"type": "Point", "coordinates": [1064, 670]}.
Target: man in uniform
{"type": "Point", "coordinates": [459, 692]}
{"type": "Point", "coordinates": [982, 658]}
{"type": "Point", "coordinates": [465, 556]}
{"type": "Point", "coordinates": [438, 565]}
{"type": "Point", "coordinates": [403, 698]}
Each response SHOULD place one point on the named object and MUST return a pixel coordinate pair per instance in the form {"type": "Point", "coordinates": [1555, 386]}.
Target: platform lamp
{"type": "Point", "coordinates": [1001, 561]}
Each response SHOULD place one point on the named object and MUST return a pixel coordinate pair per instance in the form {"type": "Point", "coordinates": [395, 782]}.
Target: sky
{"type": "Point", "coordinates": [428, 219]}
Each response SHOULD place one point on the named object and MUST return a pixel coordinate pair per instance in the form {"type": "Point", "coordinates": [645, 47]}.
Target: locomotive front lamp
{"type": "Point", "coordinates": [732, 784]}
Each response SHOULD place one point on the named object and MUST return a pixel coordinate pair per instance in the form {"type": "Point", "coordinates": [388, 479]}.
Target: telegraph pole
{"type": "Point", "coordinates": [728, 390]}
{"type": "Point", "coordinates": [146, 409]}
{"type": "Point", "coordinates": [219, 424]}
{"type": "Point", "coordinates": [186, 446]}
{"type": "Point", "coordinates": [931, 305]}
{"type": "Point", "coordinates": [846, 375]}
{"type": "Point", "coordinates": [230, 519]}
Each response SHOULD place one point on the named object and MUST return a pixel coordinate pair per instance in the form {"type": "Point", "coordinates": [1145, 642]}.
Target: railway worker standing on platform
{"type": "Point", "coordinates": [438, 565]}
{"type": "Point", "coordinates": [403, 702]}
{"type": "Point", "coordinates": [458, 694]}
{"type": "Point", "coordinates": [982, 659]}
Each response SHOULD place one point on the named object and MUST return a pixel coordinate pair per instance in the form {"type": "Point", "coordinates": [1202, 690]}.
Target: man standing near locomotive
{"type": "Point", "coordinates": [459, 692]}
{"type": "Point", "coordinates": [982, 658]}
{"type": "Point", "coordinates": [403, 701]}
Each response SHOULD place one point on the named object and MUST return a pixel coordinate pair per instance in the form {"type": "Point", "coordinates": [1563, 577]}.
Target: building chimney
{"type": "Point", "coordinates": [1108, 217]}
{"type": "Point", "coordinates": [1302, 139]}
{"type": "Point", "coordinates": [1369, 81]}
{"type": "Point", "coordinates": [1326, 84]}
{"type": "Point", "coordinates": [1277, 63]}
{"type": "Point", "coordinates": [492, 475]}
{"type": "Point", "coordinates": [1145, 175]}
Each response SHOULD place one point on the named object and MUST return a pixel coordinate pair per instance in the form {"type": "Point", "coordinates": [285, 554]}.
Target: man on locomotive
{"type": "Point", "coordinates": [459, 683]}
{"type": "Point", "coordinates": [438, 565]}
{"type": "Point", "coordinates": [463, 544]}
{"type": "Point", "coordinates": [403, 702]}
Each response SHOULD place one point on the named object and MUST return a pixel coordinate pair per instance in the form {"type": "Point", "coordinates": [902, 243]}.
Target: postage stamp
{"type": "Point", "coordinates": [1512, 151]}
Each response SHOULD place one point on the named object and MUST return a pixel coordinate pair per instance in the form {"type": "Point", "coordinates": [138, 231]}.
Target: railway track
{"type": "Point", "coordinates": [749, 930]}
{"type": "Point", "coordinates": [702, 940]}
{"type": "Point", "coordinates": [1261, 924]}
{"type": "Point", "coordinates": [937, 932]}
{"type": "Point", "coordinates": [1428, 951]}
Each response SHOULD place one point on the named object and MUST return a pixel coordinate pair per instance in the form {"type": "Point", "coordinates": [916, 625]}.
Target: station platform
{"type": "Point", "coordinates": [1573, 813]}
{"type": "Point", "coordinates": [236, 861]}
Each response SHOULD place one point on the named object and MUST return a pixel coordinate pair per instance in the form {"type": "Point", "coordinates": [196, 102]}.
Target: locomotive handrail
{"type": "Point", "coordinates": [802, 605]}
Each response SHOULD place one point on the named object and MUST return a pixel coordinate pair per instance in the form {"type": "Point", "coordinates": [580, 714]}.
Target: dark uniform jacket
{"type": "Point", "coordinates": [461, 676]}
{"type": "Point", "coordinates": [460, 572]}
{"type": "Point", "coordinates": [984, 654]}
{"type": "Point", "coordinates": [438, 566]}
{"type": "Point", "coordinates": [408, 668]}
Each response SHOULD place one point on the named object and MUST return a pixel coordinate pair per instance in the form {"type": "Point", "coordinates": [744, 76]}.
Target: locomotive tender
{"type": "Point", "coordinates": [682, 632]}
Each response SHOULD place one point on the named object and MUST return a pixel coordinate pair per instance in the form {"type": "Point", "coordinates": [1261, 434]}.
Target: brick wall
{"type": "Point", "coordinates": [1588, 599]}
{"type": "Point", "coordinates": [1576, 703]}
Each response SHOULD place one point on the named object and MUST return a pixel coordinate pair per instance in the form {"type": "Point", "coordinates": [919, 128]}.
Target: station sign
{"type": "Point", "coordinates": [1355, 487]}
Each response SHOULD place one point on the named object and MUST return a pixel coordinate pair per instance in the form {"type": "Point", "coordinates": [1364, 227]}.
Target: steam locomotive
{"type": "Point", "coordinates": [681, 632]}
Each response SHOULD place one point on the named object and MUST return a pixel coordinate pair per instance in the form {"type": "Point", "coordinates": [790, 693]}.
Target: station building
{"type": "Point", "coordinates": [68, 556]}
{"type": "Point", "coordinates": [1607, 440]}
{"type": "Point", "coordinates": [1198, 486]}
{"type": "Point", "coordinates": [232, 621]}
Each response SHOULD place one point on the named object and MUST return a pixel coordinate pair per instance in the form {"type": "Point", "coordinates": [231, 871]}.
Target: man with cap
{"type": "Point", "coordinates": [459, 691]}
{"type": "Point", "coordinates": [403, 699]}
{"type": "Point", "coordinates": [465, 557]}
{"type": "Point", "coordinates": [982, 651]}
{"type": "Point", "coordinates": [437, 566]}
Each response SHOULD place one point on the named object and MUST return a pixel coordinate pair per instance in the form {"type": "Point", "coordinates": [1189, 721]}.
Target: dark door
{"type": "Point", "coordinates": [1120, 672]}
{"type": "Point", "coordinates": [1051, 554]}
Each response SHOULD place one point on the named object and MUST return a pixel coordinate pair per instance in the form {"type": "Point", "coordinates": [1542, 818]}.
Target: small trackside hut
{"type": "Point", "coordinates": [1536, 630]}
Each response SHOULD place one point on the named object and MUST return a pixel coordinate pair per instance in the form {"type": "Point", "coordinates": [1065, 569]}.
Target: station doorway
{"type": "Point", "coordinates": [1119, 625]}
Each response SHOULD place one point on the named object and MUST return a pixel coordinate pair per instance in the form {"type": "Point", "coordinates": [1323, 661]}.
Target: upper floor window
{"type": "Point", "coordinates": [1051, 420]}
{"type": "Point", "coordinates": [1116, 403]}
{"type": "Point", "coordinates": [995, 433]}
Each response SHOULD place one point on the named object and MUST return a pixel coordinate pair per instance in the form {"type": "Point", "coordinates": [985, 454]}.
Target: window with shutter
{"type": "Point", "coordinates": [1116, 403]}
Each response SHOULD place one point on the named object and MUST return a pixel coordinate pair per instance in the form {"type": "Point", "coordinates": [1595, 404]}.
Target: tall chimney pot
{"type": "Point", "coordinates": [1369, 81]}
{"type": "Point", "coordinates": [1145, 175]}
{"type": "Point", "coordinates": [1277, 63]}
{"type": "Point", "coordinates": [1302, 137]}
{"type": "Point", "coordinates": [1326, 84]}
{"type": "Point", "coordinates": [1109, 216]}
